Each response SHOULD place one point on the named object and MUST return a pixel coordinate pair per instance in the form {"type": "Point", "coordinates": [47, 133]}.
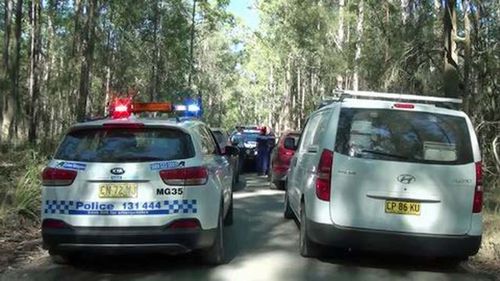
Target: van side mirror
{"type": "Point", "coordinates": [231, 151]}
{"type": "Point", "coordinates": [290, 143]}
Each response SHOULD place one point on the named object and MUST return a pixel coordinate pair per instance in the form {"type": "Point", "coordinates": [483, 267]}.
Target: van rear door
{"type": "Point", "coordinates": [403, 171]}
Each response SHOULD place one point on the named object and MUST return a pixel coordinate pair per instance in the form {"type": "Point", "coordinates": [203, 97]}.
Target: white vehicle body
{"type": "Point", "coordinates": [375, 200]}
{"type": "Point", "coordinates": [138, 203]}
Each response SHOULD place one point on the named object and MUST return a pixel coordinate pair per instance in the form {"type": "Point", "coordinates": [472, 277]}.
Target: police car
{"type": "Point", "coordinates": [128, 183]}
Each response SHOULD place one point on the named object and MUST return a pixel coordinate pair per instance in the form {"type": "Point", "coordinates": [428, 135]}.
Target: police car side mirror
{"type": "Point", "coordinates": [290, 144]}
{"type": "Point", "coordinates": [231, 150]}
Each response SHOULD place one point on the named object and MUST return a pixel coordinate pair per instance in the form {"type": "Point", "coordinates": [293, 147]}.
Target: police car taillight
{"type": "Point", "coordinates": [185, 176]}
{"type": "Point", "coordinates": [58, 177]}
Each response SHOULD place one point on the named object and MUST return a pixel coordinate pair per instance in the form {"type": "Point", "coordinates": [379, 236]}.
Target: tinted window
{"type": "Point", "coordinates": [221, 138]}
{"type": "Point", "coordinates": [207, 141]}
{"type": "Point", "coordinates": [244, 137]}
{"type": "Point", "coordinates": [125, 145]}
{"type": "Point", "coordinates": [403, 136]}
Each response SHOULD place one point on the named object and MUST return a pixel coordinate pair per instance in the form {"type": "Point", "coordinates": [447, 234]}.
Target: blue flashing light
{"type": "Point", "coordinates": [193, 108]}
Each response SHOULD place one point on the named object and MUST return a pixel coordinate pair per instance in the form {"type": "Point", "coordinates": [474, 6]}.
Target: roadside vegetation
{"type": "Point", "coordinates": [62, 61]}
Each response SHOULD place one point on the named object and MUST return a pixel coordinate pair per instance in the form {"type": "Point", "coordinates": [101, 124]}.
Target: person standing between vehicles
{"type": "Point", "coordinates": [263, 152]}
{"type": "Point", "coordinates": [237, 140]}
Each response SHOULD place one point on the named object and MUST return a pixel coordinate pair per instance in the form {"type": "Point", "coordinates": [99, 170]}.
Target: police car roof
{"type": "Point", "coordinates": [170, 122]}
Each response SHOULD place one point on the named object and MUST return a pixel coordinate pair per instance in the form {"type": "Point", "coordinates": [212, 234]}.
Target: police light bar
{"type": "Point", "coordinates": [138, 107]}
{"type": "Point", "coordinates": [124, 107]}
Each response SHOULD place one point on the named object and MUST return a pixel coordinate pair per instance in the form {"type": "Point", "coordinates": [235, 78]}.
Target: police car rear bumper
{"type": "Point", "coordinates": [143, 239]}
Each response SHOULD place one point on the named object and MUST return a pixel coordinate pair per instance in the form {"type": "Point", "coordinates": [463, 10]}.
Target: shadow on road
{"type": "Point", "coordinates": [261, 245]}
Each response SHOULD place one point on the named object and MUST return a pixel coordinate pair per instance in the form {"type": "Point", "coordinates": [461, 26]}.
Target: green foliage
{"type": "Point", "coordinates": [21, 189]}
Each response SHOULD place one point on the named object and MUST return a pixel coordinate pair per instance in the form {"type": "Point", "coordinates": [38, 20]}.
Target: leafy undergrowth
{"type": "Point", "coordinates": [19, 204]}
{"type": "Point", "coordinates": [488, 258]}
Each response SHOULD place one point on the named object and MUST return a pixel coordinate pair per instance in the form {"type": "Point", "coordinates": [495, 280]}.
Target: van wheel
{"type": "Point", "coordinates": [308, 248]}
{"type": "Point", "coordinates": [215, 254]}
{"type": "Point", "coordinates": [287, 213]}
{"type": "Point", "coordinates": [228, 220]}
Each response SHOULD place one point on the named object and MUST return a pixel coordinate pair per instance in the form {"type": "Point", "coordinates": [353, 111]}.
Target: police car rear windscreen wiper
{"type": "Point", "coordinates": [384, 154]}
{"type": "Point", "coordinates": [141, 158]}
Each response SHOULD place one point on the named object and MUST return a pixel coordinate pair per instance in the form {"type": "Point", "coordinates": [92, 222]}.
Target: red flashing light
{"type": "Point", "coordinates": [404, 105]}
{"type": "Point", "coordinates": [121, 108]}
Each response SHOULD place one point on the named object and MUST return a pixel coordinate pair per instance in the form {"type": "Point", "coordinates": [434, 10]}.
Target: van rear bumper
{"type": "Point", "coordinates": [394, 242]}
{"type": "Point", "coordinates": [127, 239]}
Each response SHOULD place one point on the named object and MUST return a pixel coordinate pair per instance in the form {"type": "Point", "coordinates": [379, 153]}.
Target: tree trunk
{"type": "Point", "coordinates": [191, 46]}
{"type": "Point", "coordinates": [451, 78]}
{"type": "Point", "coordinates": [359, 40]}
{"type": "Point", "coordinates": [34, 87]}
{"type": "Point", "coordinates": [467, 94]}
{"type": "Point", "coordinates": [11, 100]}
{"type": "Point", "coordinates": [86, 60]}
{"type": "Point", "coordinates": [341, 40]}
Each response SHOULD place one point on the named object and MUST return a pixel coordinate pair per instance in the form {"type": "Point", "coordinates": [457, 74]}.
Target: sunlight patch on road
{"type": "Point", "coordinates": [256, 193]}
{"type": "Point", "coordinates": [273, 265]}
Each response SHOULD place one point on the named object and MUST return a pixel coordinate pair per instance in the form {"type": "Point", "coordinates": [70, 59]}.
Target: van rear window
{"type": "Point", "coordinates": [125, 145]}
{"type": "Point", "coordinates": [403, 136]}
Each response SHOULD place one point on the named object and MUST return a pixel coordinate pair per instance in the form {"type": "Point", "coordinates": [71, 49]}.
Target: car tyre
{"type": "Point", "coordinates": [308, 248]}
{"type": "Point", "coordinates": [287, 213]}
{"type": "Point", "coordinates": [61, 258]}
{"type": "Point", "coordinates": [215, 254]}
{"type": "Point", "coordinates": [228, 220]}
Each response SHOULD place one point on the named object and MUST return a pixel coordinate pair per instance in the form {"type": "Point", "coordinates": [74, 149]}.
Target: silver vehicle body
{"type": "Point", "coordinates": [356, 216]}
{"type": "Point", "coordinates": [143, 220]}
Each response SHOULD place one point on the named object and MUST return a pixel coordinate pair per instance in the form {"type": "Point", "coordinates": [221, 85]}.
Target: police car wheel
{"type": "Point", "coordinates": [61, 258]}
{"type": "Point", "coordinates": [308, 248]}
{"type": "Point", "coordinates": [215, 254]}
{"type": "Point", "coordinates": [228, 220]}
{"type": "Point", "coordinates": [287, 213]}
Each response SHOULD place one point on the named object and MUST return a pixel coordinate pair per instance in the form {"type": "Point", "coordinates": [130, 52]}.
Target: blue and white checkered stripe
{"type": "Point", "coordinates": [180, 206]}
{"type": "Point", "coordinates": [58, 207]}
{"type": "Point", "coordinates": [65, 207]}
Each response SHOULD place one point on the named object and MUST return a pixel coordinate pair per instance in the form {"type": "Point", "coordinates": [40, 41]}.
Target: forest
{"type": "Point", "coordinates": [61, 60]}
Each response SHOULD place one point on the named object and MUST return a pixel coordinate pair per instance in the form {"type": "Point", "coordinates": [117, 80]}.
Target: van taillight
{"type": "Point", "coordinates": [58, 177]}
{"type": "Point", "coordinates": [324, 176]}
{"type": "Point", "coordinates": [185, 176]}
{"type": "Point", "coordinates": [477, 206]}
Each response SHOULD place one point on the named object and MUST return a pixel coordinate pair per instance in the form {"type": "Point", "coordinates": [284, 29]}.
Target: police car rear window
{"type": "Point", "coordinates": [406, 136]}
{"type": "Point", "coordinates": [125, 145]}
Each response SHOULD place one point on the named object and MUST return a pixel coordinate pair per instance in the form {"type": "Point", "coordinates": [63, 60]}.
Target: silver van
{"type": "Point", "coordinates": [387, 172]}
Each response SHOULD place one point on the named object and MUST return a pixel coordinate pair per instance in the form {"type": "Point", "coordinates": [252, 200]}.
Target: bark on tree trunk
{"type": "Point", "coordinates": [34, 87]}
{"type": "Point", "coordinates": [451, 78]}
{"type": "Point", "coordinates": [86, 60]}
{"type": "Point", "coordinates": [467, 94]}
{"type": "Point", "coordinates": [340, 40]}
{"type": "Point", "coordinates": [357, 57]}
{"type": "Point", "coordinates": [11, 105]}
